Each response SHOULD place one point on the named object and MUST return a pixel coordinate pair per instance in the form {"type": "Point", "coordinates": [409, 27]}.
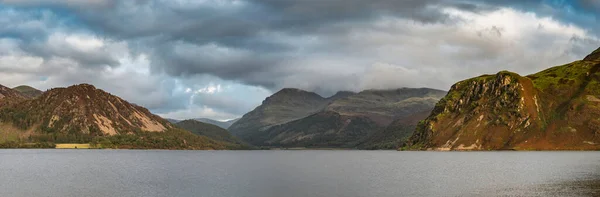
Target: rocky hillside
{"type": "Point", "coordinates": [557, 108]}
{"type": "Point", "coordinates": [10, 96]}
{"type": "Point", "coordinates": [284, 106]}
{"type": "Point", "coordinates": [28, 91]}
{"type": "Point", "coordinates": [84, 114]}
{"type": "Point", "coordinates": [83, 108]}
{"type": "Point", "coordinates": [345, 119]}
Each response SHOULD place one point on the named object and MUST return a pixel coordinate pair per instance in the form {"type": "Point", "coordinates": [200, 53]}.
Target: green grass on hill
{"type": "Point", "coordinates": [560, 77]}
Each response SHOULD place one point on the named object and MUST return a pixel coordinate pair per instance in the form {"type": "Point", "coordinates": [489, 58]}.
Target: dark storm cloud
{"type": "Point", "coordinates": [318, 45]}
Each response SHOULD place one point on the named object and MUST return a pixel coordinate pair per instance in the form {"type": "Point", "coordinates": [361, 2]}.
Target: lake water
{"type": "Point", "coordinates": [75, 173]}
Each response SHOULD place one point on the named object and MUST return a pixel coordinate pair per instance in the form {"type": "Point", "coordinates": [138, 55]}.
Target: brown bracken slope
{"type": "Point", "coordinates": [83, 108]}
{"type": "Point", "coordinates": [9, 96]}
{"type": "Point", "coordinates": [85, 114]}
{"type": "Point", "coordinates": [555, 109]}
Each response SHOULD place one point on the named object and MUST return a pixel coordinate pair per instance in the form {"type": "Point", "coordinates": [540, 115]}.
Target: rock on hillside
{"type": "Point", "coordinates": [558, 108]}
{"type": "Point", "coordinates": [28, 91]}
{"type": "Point", "coordinates": [82, 109]}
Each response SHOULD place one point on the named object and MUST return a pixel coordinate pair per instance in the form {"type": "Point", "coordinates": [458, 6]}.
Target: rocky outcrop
{"type": "Point", "coordinates": [552, 109]}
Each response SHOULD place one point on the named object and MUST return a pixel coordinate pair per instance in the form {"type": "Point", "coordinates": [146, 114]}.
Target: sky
{"type": "Point", "coordinates": [221, 58]}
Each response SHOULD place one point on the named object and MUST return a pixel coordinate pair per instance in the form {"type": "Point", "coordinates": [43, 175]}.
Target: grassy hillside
{"type": "Point", "coordinates": [558, 108]}
{"type": "Point", "coordinates": [28, 91]}
{"type": "Point", "coordinates": [208, 130]}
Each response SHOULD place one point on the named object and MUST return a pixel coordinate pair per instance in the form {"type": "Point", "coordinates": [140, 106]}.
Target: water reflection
{"type": "Point", "coordinates": [584, 187]}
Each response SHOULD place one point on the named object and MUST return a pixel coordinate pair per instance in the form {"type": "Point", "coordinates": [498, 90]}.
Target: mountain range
{"type": "Point", "coordinates": [558, 108]}
{"type": "Point", "coordinates": [222, 124]}
{"type": "Point", "coordinates": [555, 109]}
{"type": "Point", "coordinates": [297, 118]}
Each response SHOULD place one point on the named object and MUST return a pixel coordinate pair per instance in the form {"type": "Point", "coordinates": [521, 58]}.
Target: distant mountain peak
{"type": "Point", "coordinates": [294, 91]}
{"type": "Point", "coordinates": [28, 91]}
{"type": "Point", "coordinates": [341, 94]}
{"type": "Point", "coordinates": [292, 94]}
{"type": "Point", "coordinates": [8, 95]}
{"type": "Point", "coordinates": [594, 56]}
{"type": "Point", "coordinates": [83, 86]}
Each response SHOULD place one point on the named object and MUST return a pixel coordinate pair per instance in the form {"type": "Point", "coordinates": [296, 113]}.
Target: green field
{"type": "Point", "coordinates": [73, 146]}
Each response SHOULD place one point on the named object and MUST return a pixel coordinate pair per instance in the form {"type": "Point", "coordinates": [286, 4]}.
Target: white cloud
{"type": "Point", "coordinates": [84, 43]}
{"type": "Point", "coordinates": [210, 89]}
{"type": "Point", "coordinates": [198, 112]}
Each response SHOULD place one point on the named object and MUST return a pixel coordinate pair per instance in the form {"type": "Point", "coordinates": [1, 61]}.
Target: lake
{"type": "Point", "coordinates": [301, 173]}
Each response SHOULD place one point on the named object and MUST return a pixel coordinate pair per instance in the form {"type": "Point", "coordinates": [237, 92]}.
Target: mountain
{"type": "Point", "coordinates": [222, 124]}
{"type": "Point", "coordinates": [557, 108]}
{"type": "Point", "coordinates": [172, 121]}
{"type": "Point", "coordinates": [83, 108]}
{"type": "Point", "coordinates": [395, 134]}
{"type": "Point", "coordinates": [10, 96]}
{"type": "Point", "coordinates": [284, 106]}
{"type": "Point", "coordinates": [208, 130]}
{"type": "Point", "coordinates": [28, 91]}
{"type": "Point", "coordinates": [348, 121]}
{"type": "Point", "coordinates": [297, 118]}
{"type": "Point", "coordinates": [84, 114]}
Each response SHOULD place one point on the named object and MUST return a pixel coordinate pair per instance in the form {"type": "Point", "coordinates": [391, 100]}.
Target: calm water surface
{"type": "Point", "coordinates": [66, 173]}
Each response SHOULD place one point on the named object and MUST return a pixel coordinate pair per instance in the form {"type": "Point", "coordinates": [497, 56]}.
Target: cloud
{"type": "Point", "coordinates": [221, 58]}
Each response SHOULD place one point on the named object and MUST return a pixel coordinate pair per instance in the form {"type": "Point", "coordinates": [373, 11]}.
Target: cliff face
{"type": "Point", "coordinates": [554, 109]}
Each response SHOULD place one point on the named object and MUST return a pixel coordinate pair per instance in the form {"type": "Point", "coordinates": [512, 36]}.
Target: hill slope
{"type": "Point", "coordinates": [85, 109]}
{"type": "Point", "coordinates": [208, 130]}
{"type": "Point", "coordinates": [28, 91]}
{"type": "Point", "coordinates": [222, 124]}
{"type": "Point", "coordinates": [284, 106]}
{"type": "Point", "coordinates": [557, 108]}
{"type": "Point", "coordinates": [10, 96]}
{"type": "Point", "coordinates": [84, 114]}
